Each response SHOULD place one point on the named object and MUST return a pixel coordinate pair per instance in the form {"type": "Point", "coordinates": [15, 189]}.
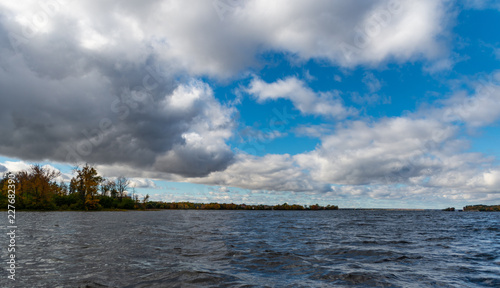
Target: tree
{"type": "Point", "coordinates": [145, 199]}
{"type": "Point", "coordinates": [87, 183]}
{"type": "Point", "coordinates": [63, 188]}
{"type": "Point", "coordinates": [121, 185]}
{"type": "Point", "coordinates": [109, 186]}
{"type": "Point", "coordinates": [35, 188]}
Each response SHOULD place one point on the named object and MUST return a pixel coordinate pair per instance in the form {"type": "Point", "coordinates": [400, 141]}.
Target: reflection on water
{"type": "Point", "coordinates": [256, 249]}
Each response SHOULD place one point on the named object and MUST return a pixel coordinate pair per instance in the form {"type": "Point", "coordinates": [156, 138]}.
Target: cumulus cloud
{"type": "Point", "coordinates": [193, 36]}
{"type": "Point", "coordinates": [307, 101]}
{"type": "Point", "coordinates": [480, 108]}
{"type": "Point", "coordinates": [142, 183]}
{"type": "Point", "coordinates": [83, 85]}
{"type": "Point", "coordinates": [270, 172]}
{"type": "Point", "coordinates": [393, 150]}
{"type": "Point", "coordinates": [114, 83]}
{"type": "Point", "coordinates": [97, 117]}
{"type": "Point", "coordinates": [422, 151]}
{"type": "Point", "coordinates": [346, 33]}
{"type": "Point", "coordinates": [82, 81]}
{"type": "Point", "coordinates": [17, 166]}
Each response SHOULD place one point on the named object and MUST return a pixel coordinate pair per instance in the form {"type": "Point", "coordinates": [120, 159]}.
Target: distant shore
{"type": "Point", "coordinates": [244, 207]}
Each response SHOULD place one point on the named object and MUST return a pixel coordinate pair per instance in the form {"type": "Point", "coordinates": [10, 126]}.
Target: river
{"type": "Point", "coordinates": [190, 248]}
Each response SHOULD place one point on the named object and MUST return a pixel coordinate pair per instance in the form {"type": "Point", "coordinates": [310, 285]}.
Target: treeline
{"type": "Point", "coordinates": [232, 206]}
{"type": "Point", "coordinates": [484, 208]}
{"type": "Point", "coordinates": [36, 189]}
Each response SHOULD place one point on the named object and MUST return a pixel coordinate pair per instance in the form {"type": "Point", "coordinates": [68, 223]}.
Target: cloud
{"type": "Point", "coordinates": [401, 158]}
{"type": "Point", "coordinates": [423, 151]}
{"type": "Point", "coordinates": [371, 82]}
{"type": "Point", "coordinates": [252, 138]}
{"type": "Point", "coordinates": [482, 4]}
{"type": "Point", "coordinates": [346, 33]}
{"type": "Point", "coordinates": [307, 101]}
{"type": "Point", "coordinates": [116, 83]}
{"type": "Point", "coordinates": [17, 166]}
{"type": "Point", "coordinates": [112, 83]}
{"type": "Point", "coordinates": [393, 150]}
{"type": "Point", "coordinates": [142, 183]}
{"type": "Point", "coordinates": [492, 179]}
{"type": "Point", "coordinates": [270, 172]}
{"type": "Point", "coordinates": [480, 108]}
{"type": "Point", "coordinates": [496, 51]}
{"type": "Point", "coordinates": [314, 131]}
{"type": "Point", "coordinates": [369, 99]}
{"type": "Point", "coordinates": [192, 35]}
{"type": "Point", "coordinates": [99, 117]}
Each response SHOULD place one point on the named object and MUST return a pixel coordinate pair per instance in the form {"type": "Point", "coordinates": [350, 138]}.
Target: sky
{"type": "Point", "coordinates": [375, 104]}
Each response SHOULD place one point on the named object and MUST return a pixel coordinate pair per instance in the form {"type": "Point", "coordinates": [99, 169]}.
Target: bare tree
{"type": "Point", "coordinates": [109, 187]}
{"type": "Point", "coordinates": [121, 185]}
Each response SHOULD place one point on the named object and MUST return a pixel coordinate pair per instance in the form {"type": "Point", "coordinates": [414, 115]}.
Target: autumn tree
{"type": "Point", "coordinates": [35, 188]}
{"type": "Point", "coordinates": [4, 188]}
{"type": "Point", "coordinates": [86, 183]}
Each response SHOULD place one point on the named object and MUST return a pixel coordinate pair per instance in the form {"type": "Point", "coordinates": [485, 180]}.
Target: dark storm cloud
{"type": "Point", "coordinates": [63, 102]}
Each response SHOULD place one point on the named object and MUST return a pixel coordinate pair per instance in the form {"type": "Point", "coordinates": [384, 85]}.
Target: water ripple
{"type": "Point", "coordinates": [257, 249]}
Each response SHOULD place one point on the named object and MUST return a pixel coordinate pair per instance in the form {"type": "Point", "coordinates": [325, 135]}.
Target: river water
{"type": "Point", "coordinates": [190, 248]}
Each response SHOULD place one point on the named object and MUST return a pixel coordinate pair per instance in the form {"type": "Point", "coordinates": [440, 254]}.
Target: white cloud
{"type": "Point", "coordinates": [203, 144]}
{"type": "Point", "coordinates": [371, 82]}
{"type": "Point", "coordinates": [492, 179]}
{"type": "Point", "coordinates": [64, 77]}
{"type": "Point", "coordinates": [270, 172]}
{"type": "Point", "coordinates": [482, 4]}
{"type": "Point", "coordinates": [392, 150]}
{"type": "Point", "coordinates": [142, 183]}
{"type": "Point", "coordinates": [191, 36]}
{"type": "Point", "coordinates": [479, 109]}
{"type": "Point", "coordinates": [307, 101]}
{"type": "Point", "coordinates": [18, 166]}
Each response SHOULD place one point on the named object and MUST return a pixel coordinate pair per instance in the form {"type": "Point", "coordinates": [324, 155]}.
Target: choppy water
{"type": "Point", "coordinates": [255, 249]}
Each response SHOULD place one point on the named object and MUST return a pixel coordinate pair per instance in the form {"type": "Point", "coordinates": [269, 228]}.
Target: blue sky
{"type": "Point", "coordinates": [382, 104]}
